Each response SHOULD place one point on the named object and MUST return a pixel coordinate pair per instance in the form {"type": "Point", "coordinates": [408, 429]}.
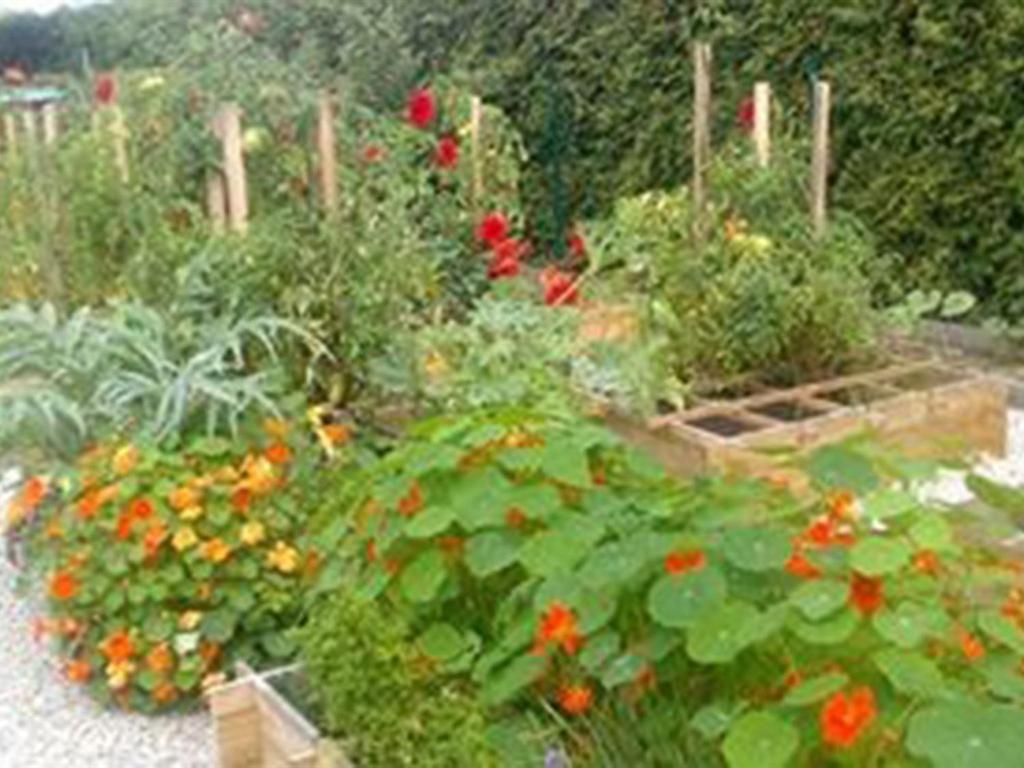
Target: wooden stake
{"type": "Point", "coordinates": [234, 168]}
{"type": "Point", "coordinates": [326, 149]}
{"type": "Point", "coordinates": [701, 129]}
{"type": "Point", "coordinates": [28, 120]}
{"type": "Point", "coordinates": [476, 120]}
{"type": "Point", "coordinates": [10, 134]}
{"type": "Point", "coordinates": [50, 124]}
{"type": "Point", "coordinates": [820, 157]}
{"type": "Point", "coordinates": [216, 190]}
{"type": "Point", "coordinates": [763, 123]}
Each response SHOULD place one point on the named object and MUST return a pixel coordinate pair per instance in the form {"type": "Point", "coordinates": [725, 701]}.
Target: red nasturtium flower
{"type": "Point", "coordinates": [866, 593]}
{"type": "Point", "coordinates": [141, 509]}
{"type": "Point", "coordinates": [78, 671]}
{"type": "Point", "coordinates": [422, 107]}
{"type": "Point", "coordinates": [241, 499]}
{"type": "Point", "coordinates": [558, 627]}
{"type": "Point", "coordinates": [926, 562]}
{"type": "Point", "coordinates": [745, 114]}
{"type": "Point", "coordinates": [559, 287]}
{"type": "Point", "coordinates": [575, 699]}
{"type": "Point", "coordinates": [64, 585]}
{"type": "Point", "coordinates": [412, 502]}
{"type": "Point", "coordinates": [492, 229]}
{"type": "Point", "coordinates": [118, 647]}
{"type": "Point", "coordinates": [841, 505]}
{"type": "Point", "coordinates": [798, 565]}
{"type": "Point", "coordinates": [972, 647]}
{"type": "Point", "coordinates": [33, 493]}
{"type": "Point", "coordinates": [373, 153]}
{"type": "Point", "coordinates": [844, 718]}
{"type": "Point", "coordinates": [678, 563]}
{"type": "Point", "coordinates": [105, 89]}
{"type": "Point", "coordinates": [278, 453]}
{"type": "Point", "coordinates": [505, 261]}
{"type": "Point", "coordinates": [446, 153]}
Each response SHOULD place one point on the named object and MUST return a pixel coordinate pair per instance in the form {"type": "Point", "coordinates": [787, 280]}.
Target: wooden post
{"type": "Point", "coordinates": [50, 124]}
{"type": "Point", "coordinates": [476, 120]}
{"type": "Point", "coordinates": [234, 168]}
{"type": "Point", "coordinates": [820, 157]}
{"type": "Point", "coordinates": [701, 130]}
{"type": "Point", "coordinates": [328, 155]}
{"type": "Point", "coordinates": [216, 190]}
{"type": "Point", "coordinates": [10, 135]}
{"type": "Point", "coordinates": [763, 123]}
{"type": "Point", "coordinates": [28, 119]}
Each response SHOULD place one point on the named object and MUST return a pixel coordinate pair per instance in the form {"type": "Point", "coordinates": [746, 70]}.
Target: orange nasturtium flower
{"type": "Point", "coordinates": [575, 699]}
{"type": "Point", "coordinates": [558, 627]}
{"type": "Point", "coordinates": [119, 674]}
{"type": "Point", "coordinates": [336, 434]}
{"type": "Point", "coordinates": [184, 539]}
{"type": "Point", "coordinates": [90, 504]}
{"type": "Point", "coordinates": [78, 671]}
{"type": "Point", "coordinates": [278, 453]}
{"type": "Point", "coordinates": [926, 562]}
{"type": "Point", "coordinates": [798, 565]}
{"type": "Point", "coordinates": [184, 497]}
{"type": "Point", "coordinates": [841, 505]}
{"type": "Point", "coordinates": [64, 585]}
{"type": "Point", "coordinates": [215, 550]}
{"type": "Point", "coordinates": [126, 459]}
{"type": "Point", "coordinates": [165, 692]}
{"type": "Point", "coordinates": [191, 513]}
{"type": "Point", "coordinates": [160, 659]}
{"type": "Point", "coordinates": [118, 647]}
{"type": "Point", "coordinates": [678, 563]}
{"type": "Point", "coordinates": [866, 593]}
{"type": "Point", "coordinates": [972, 647]}
{"type": "Point", "coordinates": [284, 558]}
{"type": "Point", "coordinates": [253, 533]}
{"type": "Point", "coordinates": [412, 502]}
{"type": "Point", "coordinates": [241, 499]}
{"type": "Point", "coordinates": [845, 717]}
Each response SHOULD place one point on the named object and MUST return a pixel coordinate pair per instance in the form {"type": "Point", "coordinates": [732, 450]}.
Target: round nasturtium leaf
{"type": "Point", "coordinates": [719, 636]}
{"type": "Point", "coordinates": [598, 650]}
{"type": "Point", "coordinates": [760, 740]}
{"type": "Point", "coordinates": [878, 557]}
{"type": "Point", "coordinates": [905, 626]}
{"type": "Point", "coordinates": [830, 632]}
{"type": "Point", "coordinates": [520, 673]}
{"type": "Point", "coordinates": [552, 552]}
{"type": "Point", "coordinates": [442, 642]}
{"type": "Point", "coordinates": [967, 733]}
{"type": "Point", "coordinates": [816, 689]}
{"type": "Point", "coordinates": [1002, 629]}
{"type": "Point", "coordinates": [677, 601]}
{"type": "Point", "coordinates": [912, 673]}
{"type": "Point", "coordinates": [932, 532]}
{"type": "Point", "coordinates": [422, 579]}
{"type": "Point", "coordinates": [491, 552]}
{"type": "Point", "coordinates": [430, 522]}
{"type": "Point", "coordinates": [624, 669]}
{"type": "Point", "coordinates": [760, 549]}
{"type": "Point", "coordinates": [820, 598]}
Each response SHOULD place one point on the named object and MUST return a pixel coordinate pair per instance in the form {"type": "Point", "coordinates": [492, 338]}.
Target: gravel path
{"type": "Point", "coordinates": [47, 723]}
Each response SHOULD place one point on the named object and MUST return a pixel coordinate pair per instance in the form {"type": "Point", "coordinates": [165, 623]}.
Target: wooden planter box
{"type": "Point", "coordinates": [256, 727]}
{"type": "Point", "coordinates": [927, 409]}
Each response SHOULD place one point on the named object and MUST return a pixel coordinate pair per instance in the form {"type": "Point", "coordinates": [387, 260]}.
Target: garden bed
{"type": "Point", "coordinates": [927, 408]}
{"type": "Point", "coordinates": [257, 724]}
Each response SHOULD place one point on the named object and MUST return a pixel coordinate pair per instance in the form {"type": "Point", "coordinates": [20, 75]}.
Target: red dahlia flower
{"type": "Point", "coordinates": [446, 154]}
{"type": "Point", "coordinates": [422, 108]}
{"type": "Point", "coordinates": [105, 90]}
{"type": "Point", "coordinates": [492, 229]}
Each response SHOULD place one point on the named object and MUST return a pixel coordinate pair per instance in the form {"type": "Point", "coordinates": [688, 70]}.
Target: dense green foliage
{"type": "Point", "coordinates": [926, 146]}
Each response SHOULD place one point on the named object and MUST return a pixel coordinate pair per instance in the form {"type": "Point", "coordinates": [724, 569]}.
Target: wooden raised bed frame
{"type": "Point", "coordinates": [927, 408]}
{"type": "Point", "coordinates": [256, 727]}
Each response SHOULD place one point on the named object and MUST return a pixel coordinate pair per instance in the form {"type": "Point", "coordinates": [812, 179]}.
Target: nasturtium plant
{"type": "Point", "coordinates": [544, 560]}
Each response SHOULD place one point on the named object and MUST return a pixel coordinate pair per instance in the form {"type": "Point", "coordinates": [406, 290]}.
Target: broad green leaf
{"type": "Point", "coordinates": [888, 503]}
{"type": "Point", "coordinates": [906, 625]}
{"type": "Point", "coordinates": [442, 642]}
{"type": "Point", "coordinates": [625, 669]}
{"type": "Point", "coordinates": [719, 636]}
{"type": "Point", "coordinates": [422, 578]}
{"type": "Point", "coordinates": [211, 447]}
{"type": "Point", "coordinates": [430, 522]}
{"type": "Point", "coordinates": [999, 496]}
{"type": "Point", "coordinates": [831, 632]}
{"type": "Point", "coordinates": [278, 644]}
{"type": "Point", "coordinates": [760, 549]}
{"type": "Point", "coordinates": [1001, 629]}
{"type": "Point", "coordinates": [219, 625]}
{"type": "Point", "coordinates": [611, 565]}
{"type": "Point", "coordinates": [838, 466]}
{"type": "Point", "coordinates": [713, 720]}
{"type": "Point", "coordinates": [566, 460]}
{"type": "Point", "coordinates": [820, 598]}
{"type": "Point", "coordinates": [537, 501]}
{"type": "Point", "coordinates": [552, 552]}
{"type": "Point", "coordinates": [876, 556]}
{"type": "Point", "coordinates": [158, 628]}
{"type": "Point", "coordinates": [760, 740]}
{"type": "Point", "coordinates": [678, 601]}
{"type": "Point", "coordinates": [816, 689]}
{"type": "Point", "coordinates": [932, 532]}
{"type": "Point", "coordinates": [493, 551]}
{"type": "Point", "coordinates": [911, 673]}
{"type": "Point", "coordinates": [521, 673]}
{"type": "Point", "coordinates": [967, 734]}
{"type": "Point", "coordinates": [598, 650]}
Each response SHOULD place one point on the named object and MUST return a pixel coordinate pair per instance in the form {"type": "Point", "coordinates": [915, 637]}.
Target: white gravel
{"type": "Point", "coordinates": [46, 722]}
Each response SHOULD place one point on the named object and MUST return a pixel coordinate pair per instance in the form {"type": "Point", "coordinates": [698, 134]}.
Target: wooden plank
{"type": "Point", "coordinates": [327, 155]}
{"type": "Point", "coordinates": [234, 168]}
{"type": "Point", "coordinates": [762, 123]}
{"type": "Point", "coordinates": [236, 720]}
{"type": "Point", "coordinates": [476, 119]}
{"type": "Point", "coordinates": [701, 131]}
{"type": "Point", "coordinates": [820, 157]}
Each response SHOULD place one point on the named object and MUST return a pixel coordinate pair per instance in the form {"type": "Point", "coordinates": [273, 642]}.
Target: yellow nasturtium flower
{"type": "Point", "coordinates": [189, 620]}
{"type": "Point", "coordinates": [284, 558]}
{"type": "Point", "coordinates": [126, 459]}
{"type": "Point", "coordinates": [191, 513]}
{"type": "Point", "coordinates": [215, 550]}
{"type": "Point", "coordinates": [253, 533]}
{"type": "Point", "coordinates": [184, 538]}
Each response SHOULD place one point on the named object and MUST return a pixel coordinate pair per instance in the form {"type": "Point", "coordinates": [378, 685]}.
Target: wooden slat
{"type": "Point", "coordinates": [763, 123]}
{"type": "Point", "coordinates": [820, 157]}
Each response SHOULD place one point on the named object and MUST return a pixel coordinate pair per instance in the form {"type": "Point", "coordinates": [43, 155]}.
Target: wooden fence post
{"type": "Point", "coordinates": [701, 130]}
{"type": "Point", "coordinates": [50, 127]}
{"type": "Point", "coordinates": [328, 155]}
{"type": "Point", "coordinates": [476, 119]}
{"type": "Point", "coordinates": [10, 135]}
{"type": "Point", "coordinates": [216, 190]}
{"type": "Point", "coordinates": [763, 123]}
{"type": "Point", "coordinates": [28, 120]}
{"type": "Point", "coordinates": [230, 120]}
{"type": "Point", "coordinates": [820, 157]}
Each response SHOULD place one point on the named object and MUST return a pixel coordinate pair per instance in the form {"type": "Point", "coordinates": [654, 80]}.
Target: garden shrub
{"type": "Point", "coordinates": [164, 567]}
{"type": "Point", "coordinates": [379, 696]}
{"type": "Point", "coordinates": [850, 624]}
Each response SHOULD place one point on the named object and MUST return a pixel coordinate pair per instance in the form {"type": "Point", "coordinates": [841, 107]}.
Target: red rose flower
{"type": "Point", "coordinates": [105, 90]}
{"type": "Point", "coordinates": [492, 229]}
{"type": "Point", "coordinates": [745, 114]}
{"type": "Point", "coordinates": [422, 108]}
{"type": "Point", "coordinates": [446, 154]}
